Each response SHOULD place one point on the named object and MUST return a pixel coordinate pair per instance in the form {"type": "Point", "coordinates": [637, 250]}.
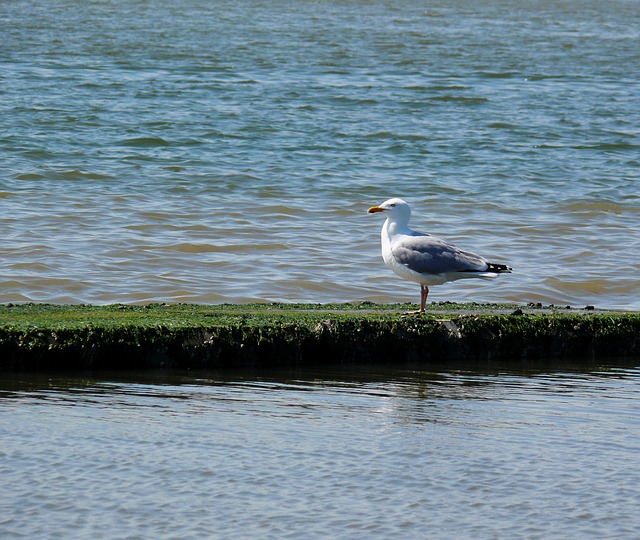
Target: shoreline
{"type": "Point", "coordinates": [47, 337]}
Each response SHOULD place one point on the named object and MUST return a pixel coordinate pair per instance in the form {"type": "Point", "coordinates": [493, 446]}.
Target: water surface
{"type": "Point", "coordinates": [217, 151]}
{"type": "Point", "coordinates": [344, 453]}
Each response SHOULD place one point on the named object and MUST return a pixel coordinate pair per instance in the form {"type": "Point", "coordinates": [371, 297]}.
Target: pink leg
{"type": "Point", "coordinates": [424, 292]}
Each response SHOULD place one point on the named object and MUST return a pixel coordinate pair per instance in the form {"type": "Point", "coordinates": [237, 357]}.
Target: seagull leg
{"type": "Point", "coordinates": [424, 292]}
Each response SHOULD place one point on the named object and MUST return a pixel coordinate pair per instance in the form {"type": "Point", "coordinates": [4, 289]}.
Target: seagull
{"type": "Point", "coordinates": [425, 259]}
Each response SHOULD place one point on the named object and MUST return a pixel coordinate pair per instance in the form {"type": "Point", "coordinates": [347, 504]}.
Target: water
{"type": "Point", "coordinates": [334, 454]}
{"type": "Point", "coordinates": [216, 151]}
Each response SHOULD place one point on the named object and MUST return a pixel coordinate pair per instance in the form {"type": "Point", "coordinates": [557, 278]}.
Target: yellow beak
{"type": "Point", "coordinates": [375, 209]}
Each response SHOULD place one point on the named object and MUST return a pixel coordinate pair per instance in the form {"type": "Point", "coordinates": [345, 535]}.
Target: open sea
{"type": "Point", "coordinates": [215, 151]}
{"type": "Point", "coordinates": [227, 151]}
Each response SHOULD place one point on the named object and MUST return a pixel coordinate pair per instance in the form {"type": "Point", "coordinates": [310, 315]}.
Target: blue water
{"type": "Point", "coordinates": [211, 151]}
{"type": "Point", "coordinates": [353, 453]}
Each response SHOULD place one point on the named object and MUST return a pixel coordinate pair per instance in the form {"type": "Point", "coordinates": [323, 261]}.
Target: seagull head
{"type": "Point", "coordinates": [395, 209]}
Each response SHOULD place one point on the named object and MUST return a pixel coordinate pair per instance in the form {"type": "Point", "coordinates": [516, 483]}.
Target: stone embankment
{"type": "Point", "coordinates": [57, 337]}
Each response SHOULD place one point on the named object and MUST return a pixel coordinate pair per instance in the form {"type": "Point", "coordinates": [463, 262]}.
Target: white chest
{"type": "Point", "coordinates": [387, 238]}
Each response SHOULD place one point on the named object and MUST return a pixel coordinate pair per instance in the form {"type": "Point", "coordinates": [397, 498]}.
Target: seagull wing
{"type": "Point", "coordinates": [431, 255]}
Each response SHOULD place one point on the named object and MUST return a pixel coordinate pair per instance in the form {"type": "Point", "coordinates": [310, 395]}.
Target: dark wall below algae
{"type": "Point", "coordinates": [48, 337]}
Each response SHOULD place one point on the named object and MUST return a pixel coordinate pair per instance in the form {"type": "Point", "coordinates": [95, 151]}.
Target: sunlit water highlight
{"type": "Point", "coordinates": [215, 151]}
{"type": "Point", "coordinates": [342, 454]}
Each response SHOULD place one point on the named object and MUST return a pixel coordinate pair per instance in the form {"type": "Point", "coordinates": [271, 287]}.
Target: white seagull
{"type": "Point", "coordinates": [425, 259]}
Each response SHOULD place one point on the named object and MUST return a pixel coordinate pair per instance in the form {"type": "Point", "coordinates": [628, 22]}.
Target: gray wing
{"type": "Point", "coordinates": [432, 255]}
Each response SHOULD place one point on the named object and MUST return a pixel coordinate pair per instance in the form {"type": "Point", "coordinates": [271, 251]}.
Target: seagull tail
{"type": "Point", "coordinates": [499, 268]}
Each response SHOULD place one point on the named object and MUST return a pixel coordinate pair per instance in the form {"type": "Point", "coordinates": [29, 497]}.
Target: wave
{"type": "Point", "coordinates": [144, 142]}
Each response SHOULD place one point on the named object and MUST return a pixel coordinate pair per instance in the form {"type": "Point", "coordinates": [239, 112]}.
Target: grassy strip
{"type": "Point", "coordinates": [51, 337]}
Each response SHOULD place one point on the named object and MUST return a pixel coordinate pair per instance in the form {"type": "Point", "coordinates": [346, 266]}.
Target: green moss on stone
{"type": "Point", "coordinates": [42, 336]}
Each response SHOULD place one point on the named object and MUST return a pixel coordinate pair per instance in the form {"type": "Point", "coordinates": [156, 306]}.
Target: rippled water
{"type": "Point", "coordinates": [343, 454]}
{"type": "Point", "coordinates": [211, 151]}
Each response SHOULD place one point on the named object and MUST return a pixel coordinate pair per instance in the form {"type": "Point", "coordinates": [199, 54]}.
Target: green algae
{"type": "Point", "coordinates": [51, 337]}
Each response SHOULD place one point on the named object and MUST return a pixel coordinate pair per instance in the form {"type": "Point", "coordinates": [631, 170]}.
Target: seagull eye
{"type": "Point", "coordinates": [393, 205]}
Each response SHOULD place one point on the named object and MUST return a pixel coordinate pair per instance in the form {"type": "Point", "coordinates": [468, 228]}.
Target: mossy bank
{"type": "Point", "coordinates": [53, 337]}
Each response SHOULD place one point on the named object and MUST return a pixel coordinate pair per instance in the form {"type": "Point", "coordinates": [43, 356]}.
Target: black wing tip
{"type": "Point", "coordinates": [499, 268]}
